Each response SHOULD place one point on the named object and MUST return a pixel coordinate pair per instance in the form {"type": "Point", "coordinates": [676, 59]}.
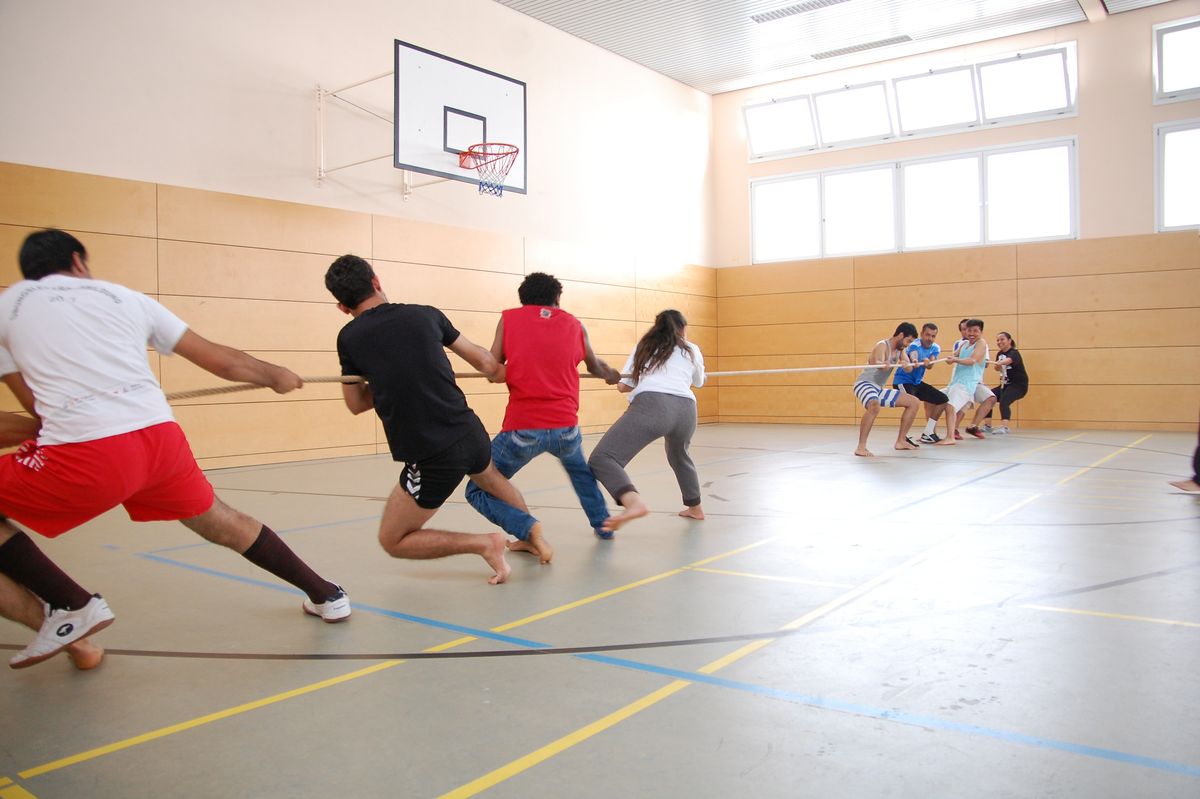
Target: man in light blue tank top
{"type": "Point", "coordinates": [969, 364]}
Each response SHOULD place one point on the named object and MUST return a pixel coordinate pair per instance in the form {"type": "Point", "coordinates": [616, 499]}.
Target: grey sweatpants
{"type": "Point", "coordinates": [650, 416]}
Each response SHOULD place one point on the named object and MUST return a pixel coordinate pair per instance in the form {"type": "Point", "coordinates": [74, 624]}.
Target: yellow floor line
{"type": "Point", "coordinates": [509, 770]}
{"type": "Point", "coordinates": [1027, 453]}
{"type": "Point", "coordinates": [5, 781]}
{"type": "Point", "coordinates": [1065, 480]}
{"type": "Point", "coordinates": [1123, 616]}
{"type": "Point", "coordinates": [15, 792]}
{"type": "Point", "coordinates": [799, 580]}
{"type": "Point", "coordinates": [162, 732]}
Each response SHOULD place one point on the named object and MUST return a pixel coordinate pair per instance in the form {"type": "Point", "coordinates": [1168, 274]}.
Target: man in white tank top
{"type": "Point", "coordinates": [869, 388]}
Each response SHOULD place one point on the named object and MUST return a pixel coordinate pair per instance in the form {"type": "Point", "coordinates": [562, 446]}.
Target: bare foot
{"type": "Point", "coordinates": [84, 654]}
{"type": "Point", "coordinates": [905, 445]}
{"type": "Point", "coordinates": [693, 512]}
{"type": "Point", "coordinates": [863, 452]}
{"type": "Point", "coordinates": [494, 555]}
{"type": "Point", "coordinates": [946, 442]}
{"type": "Point", "coordinates": [522, 546]}
{"type": "Point", "coordinates": [545, 552]}
{"type": "Point", "coordinates": [1190, 486]}
{"type": "Point", "coordinates": [634, 509]}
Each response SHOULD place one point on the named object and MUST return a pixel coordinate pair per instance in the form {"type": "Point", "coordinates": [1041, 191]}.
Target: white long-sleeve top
{"type": "Point", "coordinates": [677, 375]}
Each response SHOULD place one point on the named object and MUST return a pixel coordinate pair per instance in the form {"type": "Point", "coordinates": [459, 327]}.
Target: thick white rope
{"type": "Point", "coordinates": [235, 387]}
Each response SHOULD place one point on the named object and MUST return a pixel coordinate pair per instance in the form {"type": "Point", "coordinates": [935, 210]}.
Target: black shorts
{"type": "Point", "coordinates": [924, 392]}
{"type": "Point", "coordinates": [431, 481]}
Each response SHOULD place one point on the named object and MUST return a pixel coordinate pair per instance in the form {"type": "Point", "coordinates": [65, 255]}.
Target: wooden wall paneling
{"type": "Point", "coordinates": [614, 337]}
{"type": "Point", "coordinates": [789, 401]}
{"type": "Point", "coordinates": [798, 339]}
{"type": "Point", "coordinates": [216, 218]}
{"type": "Point", "coordinates": [698, 310]}
{"type": "Point", "coordinates": [1149, 253]}
{"type": "Point", "coordinates": [705, 338]}
{"type": "Point", "coordinates": [756, 362]}
{"type": "Point", "coordinates": [868, 333]}
{"type": "Point", "coordinates": [216, 270]}
{"type": "Point", "coordinates": [412, 241]}
{"type": "Point", "coordinates": [1144, 290]}
{"type": "Point", "coordinates": [571, 261]}
{"type": "Point", "coordinates": [291, 456]}
{"type": "Point", "coordinates": [128, 260]}
{"type": "Point", "coordinates": [261, 324]}
{"type": "Point", "coordinates": [448, 289]}
{"type": "Point", "coordinates": [1172, 327]}
{"type": "Point", "coordinates": [252, 428]}
{"type": "Point", "coordinates": [919, 304]}
{"type": "Point", "coordinates": [966, 265]}
{"type": "Point", "coordinates": [673, 279]}
{"type": "Point", "coordinates": [792, 276]}
{"type": "Point", "coordinates": [1131, 405]}
{"type": "Point", "coordinates": [803, 307]}
{"type": "Point", "coordinates": [594, 300]}
{"type": "Point", "coordinates": [180, 374]}
{"type": "Point", "coordinates": [41, 198]}
{"type": "Point", "coordinates": [1146, 366]}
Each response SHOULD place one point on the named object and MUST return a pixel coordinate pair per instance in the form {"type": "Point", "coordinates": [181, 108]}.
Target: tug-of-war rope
{"type": "Point", "coordinates": [235, 387]}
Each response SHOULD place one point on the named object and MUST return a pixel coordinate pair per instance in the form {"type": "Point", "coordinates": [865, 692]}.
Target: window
{"type": "Point", "coordinates": [1177, 175]}
{"type": "Point", "coordinates": [859, 211]}
{"type": "Point", "coordinates": [1025, 85]}
{"type": "Point", "coordinates": [1003, 194]}
{"type": "Point", "coordinates": [1030, 194]}
{"type": "Point", "coordinates": [1177, 60]}
{"type": "Point", "coordinates": [936, 100]}
{"type": "Point", "coordinates": [943, 204]}
{"type": "Point", "coordinates": [854, 114]}
{"type": "Point", "coordinates": [786, 219]}
{"type": "Point", "coordinates": [780, 126]}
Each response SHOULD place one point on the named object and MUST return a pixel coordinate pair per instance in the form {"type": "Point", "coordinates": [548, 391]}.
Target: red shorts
{"type": "Point", "coordinates": [152, 472]}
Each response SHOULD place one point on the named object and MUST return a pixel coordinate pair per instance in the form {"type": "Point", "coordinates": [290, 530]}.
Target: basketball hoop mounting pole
{"type": "Point", "coordinates": [323, 171]}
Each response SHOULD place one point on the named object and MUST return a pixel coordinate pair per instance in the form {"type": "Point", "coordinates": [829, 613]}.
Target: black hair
{"type": "Point", "coordinates": [349, 280]}
{"type": "Point", "coordinates": [539, 288]}
{"type": "Point", "coordinates": [962, 322]}
{"type": "Point", "coordinates": [929, 326]}
{"type": "Point", "coordinates": [906, 329]}
{"type": "Point", "coordinates": [47, 252]}
{"type": "Point", "coordinates": [975, 323]}
{"type": "Point", "coordinates": [660, 342]}
{"type": "Point", "coordinates": [1011, 340]}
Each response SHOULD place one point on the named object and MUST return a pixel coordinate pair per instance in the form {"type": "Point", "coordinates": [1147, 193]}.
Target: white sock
{"type": "Point", "coordinates": [930, 426]}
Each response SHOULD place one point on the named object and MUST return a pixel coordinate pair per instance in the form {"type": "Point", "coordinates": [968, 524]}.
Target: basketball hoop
{"type": "Point", "coordinates": [492, 161]}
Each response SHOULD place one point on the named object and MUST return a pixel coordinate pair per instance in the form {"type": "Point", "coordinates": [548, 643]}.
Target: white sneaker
{"type": "Point", "coordinates": [1000, 431]}
{"type": "Point", "coordinates": [987, 428]}
{"type": "Point", "coordinates": [332, 610]}
{"type": "Point", "coordinates": [63, 627]}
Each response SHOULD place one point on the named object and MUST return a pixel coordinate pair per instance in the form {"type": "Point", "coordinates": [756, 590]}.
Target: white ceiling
{"type": "Point", "coordinates": [722, 45]}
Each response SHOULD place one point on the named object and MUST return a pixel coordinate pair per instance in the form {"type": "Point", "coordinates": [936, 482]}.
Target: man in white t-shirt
{"type": "Point", "coordinates": [73, 351]}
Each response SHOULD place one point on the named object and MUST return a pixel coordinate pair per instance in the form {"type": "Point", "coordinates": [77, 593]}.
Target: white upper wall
{"type": "Point", "coordinates": [1114, 126]}
{"type": "Point", "coordinates": [220, 95]}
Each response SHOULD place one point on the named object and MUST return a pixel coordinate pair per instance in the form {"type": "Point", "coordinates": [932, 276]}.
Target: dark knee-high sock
{"type": "Point", "coordinates": [21, 560]}
{"type": "Point", "coordinates": [269, 552]}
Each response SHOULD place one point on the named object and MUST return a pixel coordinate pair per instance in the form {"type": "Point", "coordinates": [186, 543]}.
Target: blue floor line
{"type": "Point", "coordinates": [866, 711]}
{"type": "Point", "coordinates": [199, 544]}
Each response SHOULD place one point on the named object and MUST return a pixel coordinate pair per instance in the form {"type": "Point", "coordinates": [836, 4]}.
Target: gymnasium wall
{"type": "Point", "coordinates": [249, 272]}
{"type": "Point", "coordinates": [1109, 328]}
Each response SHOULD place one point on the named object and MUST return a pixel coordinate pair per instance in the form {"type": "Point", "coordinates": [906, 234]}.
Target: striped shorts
{"type": "Point", "coordinates": [866, 391]}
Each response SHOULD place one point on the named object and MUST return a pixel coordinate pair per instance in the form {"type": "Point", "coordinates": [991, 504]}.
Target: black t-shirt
{"type": "Point", "coordinates": [1015, 374]}
{"type": "Point", "coordinates": [398, 348]}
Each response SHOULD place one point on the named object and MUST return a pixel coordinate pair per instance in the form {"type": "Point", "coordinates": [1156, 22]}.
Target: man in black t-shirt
{"type": "Point", "coordinates": [399, 350]}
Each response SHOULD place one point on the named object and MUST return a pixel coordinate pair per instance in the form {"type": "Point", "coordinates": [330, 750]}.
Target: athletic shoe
{"type": "Point", "coordinates": [332, 610]}
{"type": "Point", "coordinates": [63, 627]}
{"type": "Point", "coordinates": [1000, 431]}
{"type": "Point", "coordinates": [909, 440]}
{"type": "Point", "coordinates": [603, 535]}
{"type": "Point", "coordinates": [929, 438]}
{"type": "Point", "coordinates": [987, 428]}
{"type": "Point", "coordinates": [957, 436]}
{"type": "Point", "coordinates": [974, 431]}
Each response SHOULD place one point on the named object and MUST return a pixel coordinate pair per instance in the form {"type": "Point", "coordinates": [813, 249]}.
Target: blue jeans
{"type": "Point", "coordinates": [513, 449]}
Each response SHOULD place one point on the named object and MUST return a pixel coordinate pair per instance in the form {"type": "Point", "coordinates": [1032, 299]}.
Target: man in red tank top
{"type": "Point", "coordinates": [542, 346]}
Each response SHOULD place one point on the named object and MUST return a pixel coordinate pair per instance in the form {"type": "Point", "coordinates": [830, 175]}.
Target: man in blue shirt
{"type": "Point", "coordinates": [923, 351]}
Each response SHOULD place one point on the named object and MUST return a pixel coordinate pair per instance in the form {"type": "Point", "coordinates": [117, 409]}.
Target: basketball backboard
{"type": "Point", "coordinates": [444, 105]}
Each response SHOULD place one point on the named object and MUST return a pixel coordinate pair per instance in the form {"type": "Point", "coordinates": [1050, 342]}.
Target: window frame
{"type": "Point", "coordinates": [1159, 31]}
{"type": "Point", "coordinates": [824, 175]}
{"type": "Point", "coordinates": [820, 220]}
{"type": "Point", "coordinates": [942, 129]}
{"type": "Point", "coordinates": [1050, 113]}
{"type": "Point", "coordinates": [771, 154]}
{"type": "Point", "coordinates": [978, 155]}
{"type": "Point", "coordinates": [1160, 133]}
{"type": "Point", "coordinates": [860, 142]}
{"type": "Point", "coordinates": [1072, 144]}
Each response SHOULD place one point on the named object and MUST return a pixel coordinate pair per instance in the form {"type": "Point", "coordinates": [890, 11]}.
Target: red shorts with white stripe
{"type": "Point", "coordinates": [152, 472]}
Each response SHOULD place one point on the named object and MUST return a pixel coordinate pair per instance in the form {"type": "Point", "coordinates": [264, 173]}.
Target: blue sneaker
{"type": "Point", "coordinates": [603, 535]}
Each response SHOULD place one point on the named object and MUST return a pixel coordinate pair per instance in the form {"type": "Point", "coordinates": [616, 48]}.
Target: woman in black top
{"type": "Point", "coordinates": [1014, 380]}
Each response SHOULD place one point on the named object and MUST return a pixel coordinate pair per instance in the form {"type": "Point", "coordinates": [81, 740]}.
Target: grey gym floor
{"type": "Point", "coordinates": [1014, 617]}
